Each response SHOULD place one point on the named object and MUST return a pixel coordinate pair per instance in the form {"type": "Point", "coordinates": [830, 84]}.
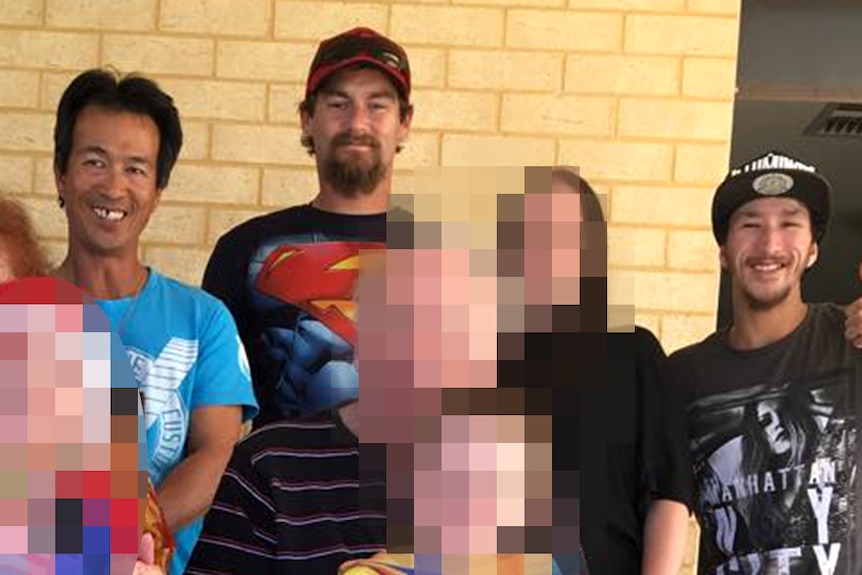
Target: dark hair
{"type": "Point", "coordinates": [131, 93]}
{"type": "Point", "coordinates": [308, 105]}
{"type": "Point", "coordinates": [19, 238]}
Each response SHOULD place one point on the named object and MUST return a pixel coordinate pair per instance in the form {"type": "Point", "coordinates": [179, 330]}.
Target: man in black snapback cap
{"type": "Point", "coordinates": [773, 410]}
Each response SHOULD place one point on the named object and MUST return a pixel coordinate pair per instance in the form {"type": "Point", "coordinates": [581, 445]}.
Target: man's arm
{"type": "Point", "coordinates": [664, 537]}
{"type": "Point", "coordinates": [188, 490]}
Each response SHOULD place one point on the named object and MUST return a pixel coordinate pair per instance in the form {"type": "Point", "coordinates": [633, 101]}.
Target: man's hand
{"type": "Point", "coordinates": [145, 565]}
{"type": "Point", "coordinates": [853, 323]}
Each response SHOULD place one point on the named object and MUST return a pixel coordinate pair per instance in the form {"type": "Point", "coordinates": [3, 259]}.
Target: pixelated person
{"type": "Point", "coordinates": [116, 140]}
{"type": "Point", "coordinates": [288, 277]}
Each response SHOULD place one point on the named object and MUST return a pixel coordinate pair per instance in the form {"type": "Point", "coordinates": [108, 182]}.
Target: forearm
{"type": "Point", "coordinates": [664, 538]}
{"type": "Point", "coordinates": [188, 490]}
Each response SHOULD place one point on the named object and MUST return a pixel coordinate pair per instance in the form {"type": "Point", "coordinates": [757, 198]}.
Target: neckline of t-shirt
{"type": "Point", "coordinates": [809, 315]}
{"type": "Point", "coordinates": [149, 285]}
{"type": "Point", "coordinates": [324, 214]}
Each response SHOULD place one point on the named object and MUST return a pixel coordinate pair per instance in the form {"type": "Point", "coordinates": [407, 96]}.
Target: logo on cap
{"type": "Point", "coordinates": [390, 59]}
{"type": "Point", "coordinates": [772, 184]}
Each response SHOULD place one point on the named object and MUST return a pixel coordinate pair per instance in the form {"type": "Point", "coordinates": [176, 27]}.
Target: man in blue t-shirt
{"type": "Point", "coordinates": [115, 142]}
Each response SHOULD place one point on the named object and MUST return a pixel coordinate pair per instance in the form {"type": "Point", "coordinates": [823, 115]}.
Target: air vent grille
{"type": "Point", "coordinates": [837, 121]}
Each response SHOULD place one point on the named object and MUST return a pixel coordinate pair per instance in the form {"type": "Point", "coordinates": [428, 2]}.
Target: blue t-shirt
{"type": "Point", "coordinates": [185, 354]}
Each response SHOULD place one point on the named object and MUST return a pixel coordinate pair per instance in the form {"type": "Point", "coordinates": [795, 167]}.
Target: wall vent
{"type": "Point", "coordinates": [837, 121]}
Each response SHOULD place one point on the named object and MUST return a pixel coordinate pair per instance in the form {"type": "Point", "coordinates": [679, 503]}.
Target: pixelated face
{"type": "Point", "coordinates": [769, 246]}
{"type": "Point", "coordinates": [110, 182]}
{"type": "Point", "coordinates": [356, 128]}
{"type": "Point", "coordinates": [71, 433]}
{"type": "Point", "coordinates": [430, 323]}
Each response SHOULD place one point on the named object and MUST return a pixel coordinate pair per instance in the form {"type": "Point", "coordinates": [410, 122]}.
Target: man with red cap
{"type": "Point", "coordinates": [288, 277]}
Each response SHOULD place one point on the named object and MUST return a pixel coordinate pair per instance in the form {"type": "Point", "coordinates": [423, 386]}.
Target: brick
{"type": "Point", "coordinates": [16, 174]}
{"type": "Point", "coordinates": [184, 264]}
{"type": "Point", "coordinates": [709, 78]}
{"type": "Point", "coordinates": [317, 20]}
{"type": "Point", "coordinates": [496, 151]}
{"type": "Point", "coordinates": [505, 70]}
{"type": "Point", "coordinates": [675, 119]}
{"type": "Point", "coordinates": [683, 330]}
{"type": "Point", "coordinates": [284, 102]}
{"type": "Point", "coordinates": [618, 160]}
{"type": "Point", "coordinates": [650, 321]}
{"type": "Point", "coordinates": [701, 163]}
{"type": "Point", "coordinates": [21, 12]}
{"type": "Point", "coordinates": [729, 7]}
{"type": "Point", "coordinates": [622, 74]}
{"type": "Point", "coordinates": [19, 89]}
{"type": "Point", "coordinates": [684, 35]}
{"type": "Point", "coordinates": [446, 25]}
{"type": "Point", "coordinates": [567, 31]}
{"type": "Point", "coordinates": [137, 15]}
{"type": "Point", "coordinates": [636, 247]}
{"type": "Point", "coordinates": [518, 3]}
{"type": "Point", "coordinates": [48, 219]}
{"type": "Point", "coordinates": [419, 150]}
{"type": "Point", "coordinates": [46, 50]}
{"type": "Point", "coordinates": [258, 144]}
{"type": "Point", "coordinates": [427, 67]}
{"type": "Point", "coordinates": [662, 206]}
{"type": "Point", "coordinates": [26, 132]}
{"type": "Point", "coordinates": [680, 292]}
{"type": "Point", "coordinates": [43, 180]}
{"type": "Point", "coordinates": [53, 86]}
{"type": "Point", "coordinates": [217, 99]}
{"type": "Point", "coordinates": [159, 54]}
{"type": "Point", "coordinates": [214, 184]}
{"type": "Point", "coordinates": [264, 60]}
{"type": "Point", "coordinates": [402, 183]}
{"type": "Point", "coordinates": [557, 114]}
{"type": "Point", "coordinates": [171, 224]}
{"type": "Point", "coordinates": [216, 17]}
{"type": "Point", "coordinates": [451, 109]}
{"type": "Point", "coordinates": [55, 251]}
{"type": "Point", "coordinates": [288, 187]}
{"type": "Point", "coordinates": [196, 141]}
{"type": "Point", "coordinates": [222, 221]}
{"type": "Point", "coordinates": [692, 250]}
{"type": "Point", "coordinates": [629, 5]}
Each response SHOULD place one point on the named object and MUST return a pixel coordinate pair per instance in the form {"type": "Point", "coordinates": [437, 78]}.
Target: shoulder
{"type": "Point", "coordinates": [182, 294]}
{"type": "Point", "coordinates": [262, 225]}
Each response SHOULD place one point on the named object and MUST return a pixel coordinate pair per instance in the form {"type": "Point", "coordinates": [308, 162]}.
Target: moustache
{"type": "Point", "coordinates": [348, 139]}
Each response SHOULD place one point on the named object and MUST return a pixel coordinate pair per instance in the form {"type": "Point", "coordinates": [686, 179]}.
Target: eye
{"type": "Point", "coordinates": [94, 162]}
{"type": "Point", "coordinates": [136, 171]}
{"type": "Point", "coordinates": [336, 104]}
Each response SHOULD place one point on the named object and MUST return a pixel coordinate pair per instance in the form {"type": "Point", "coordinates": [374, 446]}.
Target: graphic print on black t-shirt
{"type": "Point", "coordinates": [303, 290]}
{"type": "Point", "coordinates": [774, 468]}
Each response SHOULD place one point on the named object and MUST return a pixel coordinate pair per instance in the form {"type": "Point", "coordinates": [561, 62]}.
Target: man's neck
{"type": "Point", "coordinates": [753, 329]}
{"type": "Point", "coordinates": [103, 277]}
{"type": "Point", "coordinates": [374, 202]}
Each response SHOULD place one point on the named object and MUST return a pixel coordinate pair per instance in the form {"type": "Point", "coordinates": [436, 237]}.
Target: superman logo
{"type": "Point", "coordinates": [318, 278]}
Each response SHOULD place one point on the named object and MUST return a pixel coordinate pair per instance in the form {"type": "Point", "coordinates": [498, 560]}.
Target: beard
{"type": "Point", "coordinates": [352, 176]}
{"type": "Point", "coordinates": [768, 301]}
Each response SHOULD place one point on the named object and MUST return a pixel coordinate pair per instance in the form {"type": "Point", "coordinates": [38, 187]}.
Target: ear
{"type": "Point", "coordinates": [404, 128]}
{"type": "Point", "coordinates": [813, 255]}
{"type": "Point", "coordinates": [305, 122]}
{"type": "Point", "coordinates": [722, 258]}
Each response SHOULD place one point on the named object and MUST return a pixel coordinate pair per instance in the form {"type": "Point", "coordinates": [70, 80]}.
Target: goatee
{"type": "Point", "coordinates": [351, 176]}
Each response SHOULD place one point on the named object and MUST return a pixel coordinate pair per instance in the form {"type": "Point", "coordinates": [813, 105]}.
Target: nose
{"type": "Point", "coordinates": [358, 118]}
{"type": "Point", "coordinates": [770, 238]}
{"type": "Point", "coordinates": [115, 181]}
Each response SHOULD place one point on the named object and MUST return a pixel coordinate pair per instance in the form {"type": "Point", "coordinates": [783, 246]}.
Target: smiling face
{"type": "Point", "coordinates": [769, 246]}
{"type": "Point", "coordinates": [109, 186]}
{"type": "Point", "coordinates": [356, 129]}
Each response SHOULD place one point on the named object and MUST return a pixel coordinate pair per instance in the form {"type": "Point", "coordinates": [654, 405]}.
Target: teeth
{"type": "Point", "coordinates": [107, 214]}
{"type": "Point", "coordinates": [767, 267]}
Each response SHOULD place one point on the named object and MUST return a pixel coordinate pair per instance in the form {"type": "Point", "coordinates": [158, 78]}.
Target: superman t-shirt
{"type": "Point", "coordinates": [288, 278]}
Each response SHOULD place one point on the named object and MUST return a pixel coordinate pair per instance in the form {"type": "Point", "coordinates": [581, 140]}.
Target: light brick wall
{"type": "Point", "coordinates": [638, 93]}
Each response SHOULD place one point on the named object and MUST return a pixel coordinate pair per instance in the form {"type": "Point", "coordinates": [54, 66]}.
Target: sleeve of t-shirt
{"type": "Point", "coordinates": [239, 532]}
{"type": "Point", "coordinates": [664, 434]}
{"type": "Point", "coordinates": [224, 277]}
{"type": "Point", "coordinates": [223, 376]}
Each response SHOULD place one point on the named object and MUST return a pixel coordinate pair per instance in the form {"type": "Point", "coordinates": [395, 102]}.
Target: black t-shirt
{"type": "Point", "coordinates": [773, 443]}
{"type": "Point", "coordinates": [288, 279]}
{"type": "Point", "coordinates": [633, 448]}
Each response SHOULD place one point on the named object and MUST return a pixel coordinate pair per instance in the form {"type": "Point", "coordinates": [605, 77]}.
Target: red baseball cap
{"type": "Point", "coordinates": [355, 47]}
